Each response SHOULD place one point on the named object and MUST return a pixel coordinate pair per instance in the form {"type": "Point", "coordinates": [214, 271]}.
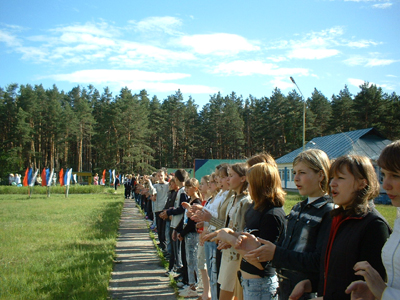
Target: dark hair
{"type": "Point", "coordinates": [266, 186]}
{"type": "Point", "coordinates": [361, 168]}
{"type": "Point", "coordinates": [182, 175]}
{"type": "Point", "coordinates": [240, 169]}
{"type": "Point", "coordinates": [263, 157]}
{"type": "Point", "coordinates": [390, 157]}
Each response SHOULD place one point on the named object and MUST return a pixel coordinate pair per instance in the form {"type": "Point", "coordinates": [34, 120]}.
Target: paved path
{"type": "Point", "coordinates": [138, 275]}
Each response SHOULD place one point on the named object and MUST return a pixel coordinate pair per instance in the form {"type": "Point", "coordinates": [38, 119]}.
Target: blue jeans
{"type": "Point", "coordinates": [191, 245]}
{"type": "Point", "coordinates": [260, 288]}
{"type": "Point", "coordinates": [210, 249]}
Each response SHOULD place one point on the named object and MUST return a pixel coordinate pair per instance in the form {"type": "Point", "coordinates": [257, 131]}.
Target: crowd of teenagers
{"type": "Point", "coordinates": [230, 234]}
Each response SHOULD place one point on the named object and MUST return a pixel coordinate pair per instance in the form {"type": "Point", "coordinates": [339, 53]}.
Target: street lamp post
{"type": "Point", "coordinates": [304, 113]}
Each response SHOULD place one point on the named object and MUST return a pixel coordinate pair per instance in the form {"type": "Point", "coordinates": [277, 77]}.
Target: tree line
{"type": "Point", "coordinates": [90, 131]}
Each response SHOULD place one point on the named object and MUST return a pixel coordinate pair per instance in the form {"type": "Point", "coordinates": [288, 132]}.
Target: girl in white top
{"type": "Point", "coordinates": [374, 287]}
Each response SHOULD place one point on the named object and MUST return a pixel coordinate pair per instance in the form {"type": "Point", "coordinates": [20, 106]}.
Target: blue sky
{"type": "Point", "coordinates": [201, 47]}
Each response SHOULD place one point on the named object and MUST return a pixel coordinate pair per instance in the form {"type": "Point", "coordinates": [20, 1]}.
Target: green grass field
{"type": "Point", "coordinates": [63, 248]}
{"type": "Point", "coordinates": [57, 247]}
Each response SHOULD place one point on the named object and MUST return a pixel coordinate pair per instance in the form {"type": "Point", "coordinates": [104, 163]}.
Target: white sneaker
{"type": "Point", "coordinates": [180, 284]}
{"type": "Point", "coordinates": [188, 293]}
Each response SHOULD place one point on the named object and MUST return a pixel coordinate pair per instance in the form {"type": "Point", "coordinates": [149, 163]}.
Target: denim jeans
{"type": "Point", "coordinates": [210, 249]}
{"type": "Point", "coordinates": [260, 288]}
{"type": "Point", "coordinates": [192, 243]}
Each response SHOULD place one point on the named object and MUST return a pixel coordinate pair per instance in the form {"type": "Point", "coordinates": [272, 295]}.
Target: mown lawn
{"type": "Point", "coordinates": [57, 247]}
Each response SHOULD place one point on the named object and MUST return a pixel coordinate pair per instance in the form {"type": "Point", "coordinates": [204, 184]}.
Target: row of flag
{"type": "Point", "coordinates": [64, 177]}
{"type": "Point", "coordinates": [47, 177]}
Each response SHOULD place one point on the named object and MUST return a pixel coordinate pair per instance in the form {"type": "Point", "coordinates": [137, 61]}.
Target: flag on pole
{"type": "Point", "coordinates": [44, 177]}
{"type": "Point", "coordinates": [61, 177]}
{"type": "Point", "coordinates": [29, 176]}
{"type": "Point", "coordinates": [50, 178]}
{"type": "Point", "coordinates": [113, 176]}
{"type": "Point", "coordinates": [67, 178]}
{"type": "Point", "coordinates": [25, 182]}
{"type": "Point", "coordinates": [33, 180]}
{"type": "Point", "coordinates": [103, 182]}
{"type": "Point", "coordinates": [110, 175]}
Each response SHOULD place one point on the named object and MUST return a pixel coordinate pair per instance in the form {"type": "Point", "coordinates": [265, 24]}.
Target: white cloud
{"type": "Point", "coordinates": [282, 83]}
{"type": "Point", "coordinates": [356, 82]}
{"type": "Point", "coordinates": [382, 5]}
{"type": "Point", "coordinates": [374, 62]}
{"type": "Point", "coordinates": [135, 80]}
{"type": "Point", "coordinates": [103, 76]}
{"type": "Point", "coordinates": [171, 87]}
{"type": "Point", "coordinates": [368, 61]}
{"type": "Point", "coordinates": [218, 44]}
{"type": "Point", "coordinates": [361, 44]}
{"type": "Point", "coordinates": [359, 82]}
{"type": "Point", "coordinates": [101, 29]}
{"type": "Point", "coordinates": [9, 39]}
{"type": "Point", "coordinates": [166, 24]}
{"type": "Point", "coordinates": [309, 53]}
{"type": "Point", "coordinates": [247, 68]}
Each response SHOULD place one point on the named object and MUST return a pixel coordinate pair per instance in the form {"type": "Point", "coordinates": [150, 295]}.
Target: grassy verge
{"type": "Point", "coordinates": [388, 211]}
{"type": "Point", "coordinates": [57, 248]}
{"type": "Point", "coordinates": [73, 189]}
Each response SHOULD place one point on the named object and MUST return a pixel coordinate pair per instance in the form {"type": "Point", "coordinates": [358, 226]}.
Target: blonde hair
{"type": "Point", "coordinates": [317, 160]}
{"type": "Point", "coordinates": [266, 186]}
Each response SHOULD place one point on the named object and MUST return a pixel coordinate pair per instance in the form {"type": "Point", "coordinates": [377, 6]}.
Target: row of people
{"type": "Point", "coordinates": [230, 229]}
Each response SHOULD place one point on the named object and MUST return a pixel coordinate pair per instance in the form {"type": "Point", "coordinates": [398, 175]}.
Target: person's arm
{"type": "Point", "coordinates": [152, 189]}
{"type": "Point", "coordinates": [178, 210]}
{"type": "Point", "coordinates": [303, 261]}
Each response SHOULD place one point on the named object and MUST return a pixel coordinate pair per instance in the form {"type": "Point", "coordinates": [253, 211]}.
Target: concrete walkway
{"type": "Point", "coordinates": [137, 273]}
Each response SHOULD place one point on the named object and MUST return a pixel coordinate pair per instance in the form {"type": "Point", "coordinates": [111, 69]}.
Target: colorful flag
{"type": "Point", "coordinates": [113, 175]}
{"type": "Point", "coordinates": [50, 178]}
{"type": "Point", "coordinates": [110, 175]}
{"type": "Point", "coordinates": [30, 176]}
{"type": "Point", "coordinates": [67, 177]}
{"type": "Point", "coordinates": [33, 180]}
{"type": "Point", "coordinates": [61, 177]}
{"type": "Point", "coordinates": [44, 179]}
{"type": "Point", "coordinates": [25, 182]}
{"type": "Point", "coordinates": [104, 177]}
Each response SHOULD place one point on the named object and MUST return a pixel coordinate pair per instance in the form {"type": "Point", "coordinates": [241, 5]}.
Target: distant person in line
{"type": "Point", "coordinates": [116, 183]}
{"type": "Point", "coordinates": [10, 179]}
{"type": "Point", "coordinates": [96, 179]}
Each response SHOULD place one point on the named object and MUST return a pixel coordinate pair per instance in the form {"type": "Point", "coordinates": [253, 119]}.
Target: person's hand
{"type": "Point", "coordinates": [196, 207]}
{"type": "Point", "coordinates": [163, 215]}
{"type": "Point", "coordinates": [360, 291]}
{"type": "Point", "coordinates": [209, 236]}
{"type": "Point", "coordinates": [374, 281]}
{"type": "Point", "coordinates": [247, 242]}
{"type": "Point", "coordinates": [180, 237]}
{"type": "Point", "coordinates": [222, 245]}
{"type": "Point", "coordinates": [264, 253]}
{"type": "Point", "coordinates": [201, 215]}
{"type": "Point", "coordinates": [302, 287]}
{"type": "Point", "coordinates": [202, 234]}
{"type": "Point", "coordinates": [186, 205]}
{"type": "Point", "coordinates": [200, 224]}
